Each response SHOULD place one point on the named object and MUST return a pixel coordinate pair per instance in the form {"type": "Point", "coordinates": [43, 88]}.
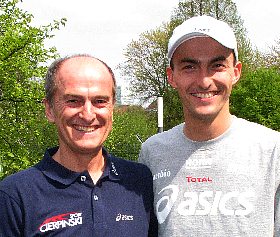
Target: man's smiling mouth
{"type": "Point", "coordinates": [85, 128]}
{"type": "Point", "coordinates": [206, 95]}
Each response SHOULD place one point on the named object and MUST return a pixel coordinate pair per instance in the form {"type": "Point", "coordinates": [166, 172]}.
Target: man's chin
{"type": "Point", "coordinates": [88, 149]}
{"type": "Point", "coordinates": [206, 116]}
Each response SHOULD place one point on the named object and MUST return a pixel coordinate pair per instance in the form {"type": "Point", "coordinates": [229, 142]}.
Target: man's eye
{"type": "Point", "coordinates": [188, 67]}
{"type": "Point", "coordinates": [72, 101]}
{"type": "Point", "coordinates": [219, 65]}
{"type": "Point", "coordinates": [100, 101]}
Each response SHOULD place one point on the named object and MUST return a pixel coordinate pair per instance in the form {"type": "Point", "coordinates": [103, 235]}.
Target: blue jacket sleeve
{"type": "Point", "coordinates": [153, 227]}
{"type": "Point", "coordinates": [11, 216]}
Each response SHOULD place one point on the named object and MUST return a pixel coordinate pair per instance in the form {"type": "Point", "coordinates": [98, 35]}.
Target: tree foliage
{"type": "Point", "coordinates": [173, 110]}
{"type": "Point", "coordinates": [146, 63]}
{"type": "Point", "coordinates": [256, 97]}
{"type": "Point", "coordinates": [274, 57]}
{"type": "Point", "coordinates": [23, 128]}
{"type": "Point", "coordinates": [271, 59]}
{"type": "Point", "coordinates": [131, 126]}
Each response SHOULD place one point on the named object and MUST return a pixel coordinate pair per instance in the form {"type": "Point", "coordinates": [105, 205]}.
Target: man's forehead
{"type": "Point", "coordinates": [81, 64]}
{"type": "Point", "coordinates": [84, 71]}
{"type": "Point", "coordinates": [200, 46]}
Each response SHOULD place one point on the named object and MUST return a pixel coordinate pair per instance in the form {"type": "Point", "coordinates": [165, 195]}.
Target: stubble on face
{"type": "Point", "coordinates": [203, 73]}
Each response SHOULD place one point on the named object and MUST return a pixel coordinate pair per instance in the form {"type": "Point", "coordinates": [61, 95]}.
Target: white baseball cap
{"type": "Point", "coordinates": [201, 26]}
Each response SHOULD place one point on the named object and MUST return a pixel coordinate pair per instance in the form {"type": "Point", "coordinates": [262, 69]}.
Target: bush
{"type": "Point", "coordinates": [131, 124]}
{"type": "Point", "coordinates": [256, 98]}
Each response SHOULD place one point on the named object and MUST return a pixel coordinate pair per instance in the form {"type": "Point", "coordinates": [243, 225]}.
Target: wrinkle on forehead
{"type": "Point", "coordinates": [87, 87]}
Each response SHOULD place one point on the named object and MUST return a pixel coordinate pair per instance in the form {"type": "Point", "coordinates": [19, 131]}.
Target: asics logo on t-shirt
{"type": "Point", "coordinates": [204, 203]}
{"type": "Point", "coordinates": [121, 217]}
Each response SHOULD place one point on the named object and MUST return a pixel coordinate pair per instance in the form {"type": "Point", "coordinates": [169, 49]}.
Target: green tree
{"type": "Point", "coordinates": [23, 128]}
{"type": "Point", "coordinates": [131, 125]}
{"type": "Point", "coordinates": [146, 63]}
{"type": "Point", "coordinates": [275, 55]}
{"type": "Point", "coordinates": [146, 58]}
{"type": "Point", "coordinates": [256, 97]}
{"type": "Point", "coordinates": [272, 58]}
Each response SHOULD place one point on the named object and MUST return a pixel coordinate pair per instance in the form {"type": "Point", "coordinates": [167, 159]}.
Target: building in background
{"type": "Point", "coordinates": [119, 95]}
{"type": "Point", "coordinates": [123, 97]}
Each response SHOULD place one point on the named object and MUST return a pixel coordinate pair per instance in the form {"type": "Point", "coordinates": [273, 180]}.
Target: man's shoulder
{"type": "Point", "coordinates": [256, 135]}
{"type": "Point", "coordinates": [254, 129]}
{"type": "Point", "coordinates": [19, 181]}
{"type": "Point", "coordinates": [130, 168]}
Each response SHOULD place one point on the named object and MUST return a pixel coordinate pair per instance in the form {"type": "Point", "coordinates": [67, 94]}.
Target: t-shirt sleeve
{"type": "Point", "coordinates": [153, 227]}
{"type": "Point", "coordinates": [277, 194]}
{"type": "Point", "coordinates": [11, 216]}
{"type": "Point", "coordinates": [143, 155]}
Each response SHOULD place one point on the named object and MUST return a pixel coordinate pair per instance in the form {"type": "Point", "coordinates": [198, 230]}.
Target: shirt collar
{"type": "Point", "coordinates": [111, 166]}
{"type": "Point", "coordinates": [59, 173]}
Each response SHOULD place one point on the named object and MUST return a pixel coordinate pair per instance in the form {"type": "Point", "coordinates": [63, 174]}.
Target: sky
{"type": "Point", "coordinates": [104, 28]}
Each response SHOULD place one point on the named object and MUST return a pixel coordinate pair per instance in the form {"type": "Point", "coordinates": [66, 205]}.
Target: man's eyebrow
{"type": "Point", "coordinates": [189, 60]}
{"type": "Point", "coordinates": [217, 59]}
{"type": "Point", "coordinates": [105, 97]}
{"type": "Point", "coordinates": [195, 61]}
{"type": "Point", "coordinates": [71, 95]}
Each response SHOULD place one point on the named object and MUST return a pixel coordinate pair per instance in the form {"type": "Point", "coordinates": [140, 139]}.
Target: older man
{"type": "Point", "coordinates": [79, 189]}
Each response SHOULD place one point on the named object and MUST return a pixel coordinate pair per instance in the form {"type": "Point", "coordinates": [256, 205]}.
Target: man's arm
{"type": "Point", "coordinates": [153, 228]}
{"type": "Point", "coordinates": [10, 216]}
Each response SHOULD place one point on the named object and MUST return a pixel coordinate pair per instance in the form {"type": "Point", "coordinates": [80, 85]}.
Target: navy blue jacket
{"type": "Point", "coordinates": [50, 200]}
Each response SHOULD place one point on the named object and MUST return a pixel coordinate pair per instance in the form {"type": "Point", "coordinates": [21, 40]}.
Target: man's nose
{"type": "Point", "coordinates": [88, 112]}
{"type": "Point", "coordinates": [205, 79]}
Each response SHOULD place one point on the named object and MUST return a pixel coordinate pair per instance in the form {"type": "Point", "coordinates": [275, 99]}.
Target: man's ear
{"type": "Point", "coordinates": [237, 73]}
{"type": "Point", "coordinates": [170, 77]}
{"type": "Point", "coordinates": [49, 110]}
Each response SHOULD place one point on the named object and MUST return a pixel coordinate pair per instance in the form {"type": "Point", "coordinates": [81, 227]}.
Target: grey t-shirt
{"type": "Point", "coordinates": [227, 186]}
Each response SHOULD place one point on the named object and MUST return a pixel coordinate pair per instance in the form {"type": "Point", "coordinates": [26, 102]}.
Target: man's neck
{"type": "Point", "coordinates": [204, 130]}
{"type": "Point", "coordinates": [94, 163]}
